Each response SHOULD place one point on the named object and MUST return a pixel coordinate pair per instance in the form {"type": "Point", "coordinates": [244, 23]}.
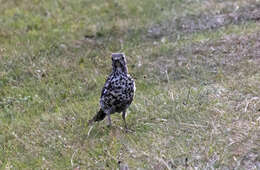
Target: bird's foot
{"type": "Point", "coordinates": [109, 126]}
{"type": "Point", "coordinates": [128, 130]}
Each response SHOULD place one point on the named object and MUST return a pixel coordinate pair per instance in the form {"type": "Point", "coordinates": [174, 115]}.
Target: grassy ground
{"type": "Point", "coordinates": [196, 66]}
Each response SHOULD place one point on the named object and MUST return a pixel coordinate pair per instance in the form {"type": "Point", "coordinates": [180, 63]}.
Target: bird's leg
{"type": "Point", "coordinates": [123, 116]}
{"type": "Point", "coordinates": [108, 118]}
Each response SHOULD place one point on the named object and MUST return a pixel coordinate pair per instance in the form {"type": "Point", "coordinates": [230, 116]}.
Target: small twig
{"type": "Point", "coordinates": [188, 97]}
{"type": "Point", "coordinates": [163, 162]}
{"type": "Point", "coordinates": [193, 125]}
{"type": "Point", "coordinates": [90, 130]}
{"type": "Point", "coordinates": [171, 94]}
{"type": "Point", "coordinates": [167, 76]}
{"type": "Point", "coordinates": [72, 157]}
{"type": "Point", "coordinates": [247, 104]}
{"type": "Point", "coordinates": [161, 120]}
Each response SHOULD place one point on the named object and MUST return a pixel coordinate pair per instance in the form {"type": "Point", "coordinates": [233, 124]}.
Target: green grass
{"type": "Point", "coordinates": [197, 98]}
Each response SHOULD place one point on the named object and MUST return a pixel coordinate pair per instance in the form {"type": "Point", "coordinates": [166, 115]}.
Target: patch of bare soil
{"type": "Point", "coordinates": [206, 21]}
{"type": "Point", "coordinates": [233, 56]}
{"type": "Point", "coordinates": [230, 55]}
{"type": "Point", "coordinates": [228, 52]}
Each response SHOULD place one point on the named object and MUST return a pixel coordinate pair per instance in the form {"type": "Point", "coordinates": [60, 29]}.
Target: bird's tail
{"type": "Point", "coordinates": [98, 117]}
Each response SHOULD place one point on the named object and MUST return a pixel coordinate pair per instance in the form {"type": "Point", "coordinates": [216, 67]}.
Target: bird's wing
{"type": "Point", "coordinates": [107, 85]}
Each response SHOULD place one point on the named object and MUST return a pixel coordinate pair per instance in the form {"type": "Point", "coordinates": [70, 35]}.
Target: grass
{"type": "Point", "coordinates": [197, 99]}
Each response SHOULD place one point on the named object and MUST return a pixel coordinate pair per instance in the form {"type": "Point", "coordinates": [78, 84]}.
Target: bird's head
{"type": "Point", "coordinates": [119, 62]}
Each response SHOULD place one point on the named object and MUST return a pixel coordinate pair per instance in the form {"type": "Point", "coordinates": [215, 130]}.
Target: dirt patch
{"type": "Point", "coordinates": [209, 21]}
{"type": "Point", "coordinates": [231, 55]}
{"type": "Point", "coordinates": [229, 51]}
{"type": "Point", "coordinates": [206, 21]}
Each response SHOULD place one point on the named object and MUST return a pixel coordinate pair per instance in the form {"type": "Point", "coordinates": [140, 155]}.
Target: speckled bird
{"type": "Point", "coordinates": [118, 91]}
